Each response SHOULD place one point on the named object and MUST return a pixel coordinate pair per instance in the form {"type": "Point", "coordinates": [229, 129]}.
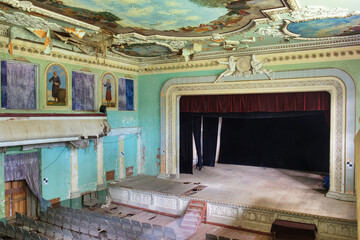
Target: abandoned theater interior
{"type": "Point", "coordinates": [179, 119]}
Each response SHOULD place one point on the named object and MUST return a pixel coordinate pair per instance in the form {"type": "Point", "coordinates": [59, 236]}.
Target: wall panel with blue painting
{"type": "Point", "coordinates": [18, 85]}
{"type": "Point", "coordinates": [126, 94]}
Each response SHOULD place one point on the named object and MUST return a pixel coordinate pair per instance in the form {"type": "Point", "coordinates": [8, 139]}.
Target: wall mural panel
{"type": "Point", "coordinates": [109, 95]}
{"type": "Point", "coordinates": [83, 91]}
{"type": "Point", "coordinates": [126, 94]}
{"type": "Point", "coordinates": [56, 85]}
{"type": "Point", "coordinates": [18, 85]}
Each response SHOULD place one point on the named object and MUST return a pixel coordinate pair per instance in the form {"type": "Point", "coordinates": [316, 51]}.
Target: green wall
{"type": "Point", "coordinates": [149, 108]}
{"type": "Point", "coordinates": [55, 162]}
{"type": "Point", "coordinates": [149, 101]}
{"type": "Point", "coordinates": [55, 166]}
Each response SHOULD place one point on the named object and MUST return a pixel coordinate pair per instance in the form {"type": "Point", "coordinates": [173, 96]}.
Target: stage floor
{"type": "Point", "coordinates": [270, 188]}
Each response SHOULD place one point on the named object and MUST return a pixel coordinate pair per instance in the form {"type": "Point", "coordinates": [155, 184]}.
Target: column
{"type": "Point", "coordinates": [75, 197]}
{"type": "Point", "coordinates": [100, 164]}
{"type": "Point", "coordinates": [2, 187]}
{"type": "Point", "coordinates": [121, 157]}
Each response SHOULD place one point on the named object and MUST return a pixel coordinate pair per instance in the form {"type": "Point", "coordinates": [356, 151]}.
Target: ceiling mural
{"type": "Point", "coordinates": [146, 30]}
{"type": "Point", "coordinates": [329, 27]}
{"type": "Point", "coordinates": [186, 17]}
{"type": "Point", "coordinates": [143, 50]}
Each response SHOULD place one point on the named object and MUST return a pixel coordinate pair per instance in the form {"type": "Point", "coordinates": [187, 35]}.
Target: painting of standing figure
{"type": "Point", "coordinates": [109, 90]}
{"type": "Point", "coordinates": [56, 81]}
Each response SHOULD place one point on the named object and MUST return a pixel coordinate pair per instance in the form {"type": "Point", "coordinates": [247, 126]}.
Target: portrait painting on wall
{"type": "Point", "coordinates": [56, 82]}
{"type": "Point", "coordinates": [109, 95]}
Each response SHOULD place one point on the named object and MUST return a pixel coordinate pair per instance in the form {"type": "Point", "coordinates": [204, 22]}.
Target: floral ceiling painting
{"type": "Point", "coordinates": [148, 16]}
{"type": "Point", "coordinates": [329, 27]}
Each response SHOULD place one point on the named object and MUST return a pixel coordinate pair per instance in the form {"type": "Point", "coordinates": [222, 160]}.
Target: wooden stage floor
{"type": "Point", "coordinates": [270, 188]}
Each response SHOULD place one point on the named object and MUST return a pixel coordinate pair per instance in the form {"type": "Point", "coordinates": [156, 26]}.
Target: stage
{"type": "Point", "coordinates": [244, 196]}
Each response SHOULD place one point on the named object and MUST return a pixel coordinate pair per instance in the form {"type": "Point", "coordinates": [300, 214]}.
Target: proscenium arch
{"type": "Point", "coordinates": [342, 125]}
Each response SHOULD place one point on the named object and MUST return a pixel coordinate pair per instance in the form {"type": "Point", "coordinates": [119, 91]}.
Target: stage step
{"type": "Point", "coordinates": [194, 215]}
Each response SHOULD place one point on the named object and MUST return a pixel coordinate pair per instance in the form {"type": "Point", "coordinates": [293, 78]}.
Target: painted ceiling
{"type": "Point", "coordinates": [171, 28]}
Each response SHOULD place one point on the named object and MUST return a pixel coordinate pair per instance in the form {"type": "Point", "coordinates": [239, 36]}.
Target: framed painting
{"type": "Point", "coordinates": [83, 91]}
{"type": "Point", "coordinates": [56, 85]}
{"type": "Point", "coordinates": [126, 94]}
{"type": "Point", "coordinates": [109, 90]}
{"type": "Point", "coordinates": [18, 85]}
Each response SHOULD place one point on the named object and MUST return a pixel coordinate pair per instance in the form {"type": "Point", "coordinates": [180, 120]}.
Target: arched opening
{"type": "Point", "coordinates": [338, 84]}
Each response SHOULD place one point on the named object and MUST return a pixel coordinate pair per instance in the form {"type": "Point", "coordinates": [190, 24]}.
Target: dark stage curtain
{"type": "Point", "coordinates": [186, 157]}
{"type": "Point", "coordinates": [268, 102]}
{"type": "Point", "coordinates": [294, 142]}
{"type": "Point", "coordinates": [210, 140]}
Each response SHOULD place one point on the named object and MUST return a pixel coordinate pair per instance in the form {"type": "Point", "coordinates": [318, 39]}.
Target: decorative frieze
{"type": "Point", "coordinates": [345, 231]}
{"type": "Point", "coordinates": [222, 211]}
{"type": "Point", "coordinates": [141, 198]}
{"type": "Point", "coordinates": [166, 202]}
{"type": "Point", "coordinates": [259, 216]}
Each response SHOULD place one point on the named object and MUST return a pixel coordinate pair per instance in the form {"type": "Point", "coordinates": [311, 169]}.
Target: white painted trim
{"type": "Point", "coordinates": [100, 161]}
{"type": "Point", "coordinates": [74, 173]}
{"type": "Point", "coordinates": [37, 141]}
{"type": "Point", "coordinates": [124, 131]}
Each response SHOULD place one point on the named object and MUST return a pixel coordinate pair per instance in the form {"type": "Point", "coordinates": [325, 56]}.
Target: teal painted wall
{"type": "Point", "coordinates": [130, 143]}
{"type": "Point", "coordinates": [149, 102]}
{"type": "Point", "coordinates": [55, 162]}
{"type": "Point", "coordinates": [111, 155]}
{"type": "Point", "coordinates": [55, 166]}
{"type": "Point", "coordinates": [149, 108]}
{"type": "Point", "coordinates": [87, 166]}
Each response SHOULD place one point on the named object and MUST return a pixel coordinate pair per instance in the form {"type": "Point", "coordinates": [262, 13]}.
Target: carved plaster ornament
{"type": "Point", "coordinates": [317, 12]}
{"type": "Point", "coordinates": [244, 66]}
{"type": "Point", "coordinates": [25, 20]}
{"type": "Point", "coordinates": [188, 53]}
{"type": "Point", "coordinates": [273, 31]}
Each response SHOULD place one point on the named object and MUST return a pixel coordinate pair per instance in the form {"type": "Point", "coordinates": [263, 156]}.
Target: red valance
{"type": "Point", "coordinates": [267, 102]}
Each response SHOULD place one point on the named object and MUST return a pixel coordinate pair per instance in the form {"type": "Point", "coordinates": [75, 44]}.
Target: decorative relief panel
{"type": "Point", "coordinates": [341, 230]}
{"type": "Point", "coordinates": [118, 193]}
{"type": "Point", "coordinates": [260, 217]}
{"type": "Point", "coordinates": [166, 202]}
{"type": "Point", "coordinates": [221, 211]}
{"type": "Point", "coordinates": [141, 198]}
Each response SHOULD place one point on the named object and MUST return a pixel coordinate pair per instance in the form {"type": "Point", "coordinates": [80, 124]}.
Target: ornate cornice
{"type": "Point", "coordinates": [322, 55]}
{"type": "Point", "coordinates": [30, 49]}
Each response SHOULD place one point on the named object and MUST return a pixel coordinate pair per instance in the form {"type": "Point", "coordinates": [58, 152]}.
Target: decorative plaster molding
{"type": "Point", "coordinates": [250, 217]}
{"type": "Point", "coordinates": [166, 202]}
{"type": "Point", "coordinates": [243, 66]}
{"type": "Point", "coordinates": [27, 6]}
{"type": "Point", "coordinates": [273, 31]}
{"type": "Point", "coordinates": [139, 197]}
{"type": "Point", "coordinates": [222, 211]}
{"type": "Point", "coordinates": [259, 216]}
{"type": "Point", "coordinates": [334, 54]}
{"type": "Point", "coordinates": [36, 50]}
{"type": "Point", "coordinates": [26, 20]}
{"type": "Point", "coordinates": [317, 12]}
